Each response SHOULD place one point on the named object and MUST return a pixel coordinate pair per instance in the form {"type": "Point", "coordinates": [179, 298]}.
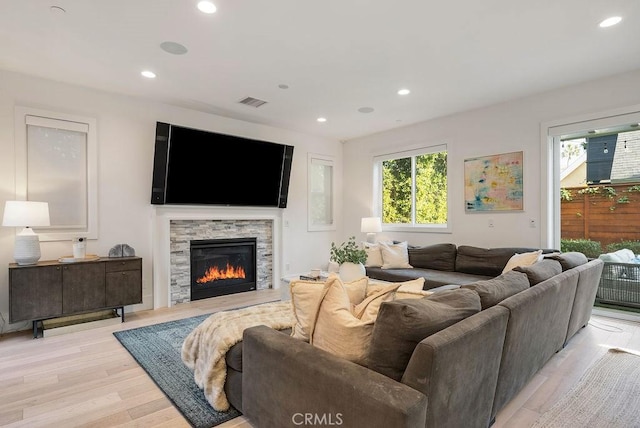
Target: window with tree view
{"type": "Point", "coordinates": [413, 187]}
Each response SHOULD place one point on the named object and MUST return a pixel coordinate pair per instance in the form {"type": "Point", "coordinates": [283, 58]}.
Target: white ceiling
{"type": "Point", "coordinates": [336, 56]}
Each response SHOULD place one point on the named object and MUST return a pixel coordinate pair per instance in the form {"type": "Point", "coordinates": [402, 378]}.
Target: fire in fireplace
{"type": "Point", "coordinates": [222, 266]}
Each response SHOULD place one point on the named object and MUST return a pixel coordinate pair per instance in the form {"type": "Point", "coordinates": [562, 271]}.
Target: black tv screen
{"type": "Point", "coordinates": [198, 167]}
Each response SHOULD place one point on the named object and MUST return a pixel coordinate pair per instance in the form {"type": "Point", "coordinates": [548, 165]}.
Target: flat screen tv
{"type": "Point", "coordinates": [198, 167]}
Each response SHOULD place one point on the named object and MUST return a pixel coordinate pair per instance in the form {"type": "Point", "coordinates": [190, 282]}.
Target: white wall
{"type": "Point", "coordinates": [126, 133]}
{"type": "Point", "coordinates": [502, 128]}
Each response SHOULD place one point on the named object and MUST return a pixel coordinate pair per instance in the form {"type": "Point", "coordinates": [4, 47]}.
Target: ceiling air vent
{"type": "Point", "coordinates": [252, 102]}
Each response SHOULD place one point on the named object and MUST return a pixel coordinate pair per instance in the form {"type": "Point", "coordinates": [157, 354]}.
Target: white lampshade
{"type": "Point", "coordinates": [371, 226]}
{"type": "Point", "coordinates": [26, 214]}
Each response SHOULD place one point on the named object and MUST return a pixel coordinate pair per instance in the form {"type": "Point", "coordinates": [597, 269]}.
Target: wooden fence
{"type": "Point", "coordinates": [606, 214]}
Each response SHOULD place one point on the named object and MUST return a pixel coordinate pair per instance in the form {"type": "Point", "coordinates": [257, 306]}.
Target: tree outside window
{"type": "Point", "coordinates": [413, 188]}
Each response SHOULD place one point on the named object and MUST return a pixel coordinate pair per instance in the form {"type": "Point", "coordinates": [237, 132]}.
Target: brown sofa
{"type": "Point", "coordinates": [460, 376]}
{"type": "Point", "coordinates": [443, 264]}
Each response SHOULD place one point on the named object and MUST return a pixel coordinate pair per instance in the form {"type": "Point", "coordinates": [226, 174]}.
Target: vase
{"type": "Point", "coordinates": [351, 271]}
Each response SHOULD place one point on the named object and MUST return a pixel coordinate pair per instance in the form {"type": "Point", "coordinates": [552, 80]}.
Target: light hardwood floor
{"type": "Point", "coordinates": [87, 379]}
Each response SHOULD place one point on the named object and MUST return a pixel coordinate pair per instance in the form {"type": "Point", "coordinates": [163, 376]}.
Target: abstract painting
{"type": "Point", "coordinates": [493, 183]}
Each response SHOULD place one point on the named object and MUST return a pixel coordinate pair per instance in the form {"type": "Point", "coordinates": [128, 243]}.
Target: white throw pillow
{"type": "Point", "coordinates": [395, 256]}
{"type": "Point", "coordinates": [523, 259]}
{"type": "Point", "coordinates": [341, 330]}
{"type": "Point", "coordinates": [306, 297]}
{"type": "Point", "coordinates": [374, 254]}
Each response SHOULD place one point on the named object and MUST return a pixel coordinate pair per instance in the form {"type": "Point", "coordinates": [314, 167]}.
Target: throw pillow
{"type": "Point", "coordinates": [402, 324]}
{"type": "Point", "coordinates": [374, 254]}
{"type": "Point", "coordinates": [341, 331]}
{"type": "Point", "coordinates": [413, 285]}
{"type": "Point", "coordinates": [494, 291]}
{"type": "Point", "coordinates": [395, 256]}
{"type": "Point", "coordinates": [523, 259]}
{"type": "Point", "coordinates": [570, 259]}
{"type": "Point", "coordinates": [540, 271]}
{"type": "Point", "coordinates": [306, 297]}
{"type": "Point", "coordinates": [408, 290]}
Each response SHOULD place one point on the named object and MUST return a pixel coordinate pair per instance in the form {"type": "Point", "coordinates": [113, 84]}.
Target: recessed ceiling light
{"type": "Point", "coordinates": [404, 92]}
{"type": "Point", "coordinates": [57, 10]}
{"type": "Point", "coordinates": [148, 74]}
{"type": "Point", "coordinates": [321, 119]}
{"type": "Point", "coordinates": [283, 86]}
{"type": "Point", "coordinates": [207, 7]}
{"type": "Point", "coordinates": [366, 109]}
{"type": "Point", "coordinates": [610, 21]}
{"type": "Point", "coordinates": [173, 48]}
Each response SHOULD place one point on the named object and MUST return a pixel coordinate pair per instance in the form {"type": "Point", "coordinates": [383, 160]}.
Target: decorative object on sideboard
{"type": "Point", "coordinates": [26, 214]}
{"type": "Point", "coordinates": [122, 250]}
{"type": "Point", "coordinates": [351, 259]}
{"type": "Point", "coordinates": [79, 248]}
{"type": "Point", "coordinates": [371, 226]}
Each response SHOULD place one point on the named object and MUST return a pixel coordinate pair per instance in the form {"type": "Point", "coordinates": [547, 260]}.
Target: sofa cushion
{"type": "Point", "coordinates": [540, 271]}
{"type": "Point", "coordinates": [432, 277]}
{"type": "Point", "coordinates": [341, 330]}
{"type": "Point", "coordinates": [523, 259]}
{"type": "Point", "coordinates": [494, 291]}
{"type": "Point", "coordinates": [439, 256]}
{"type": "Point", "coordinates": [570, 259]}
{"type": "Point", "coordinates": [402, 324]}
{"type": "Point", "coordinates": [306, 297]}
{"type": "Point", "coordinates": [486, 261]}
{"type": "Point", "coordinates": [395, 256]}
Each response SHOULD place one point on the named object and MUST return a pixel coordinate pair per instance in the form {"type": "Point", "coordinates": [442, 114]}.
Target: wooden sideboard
{"type": "Point", "coordinates": [51, 289]}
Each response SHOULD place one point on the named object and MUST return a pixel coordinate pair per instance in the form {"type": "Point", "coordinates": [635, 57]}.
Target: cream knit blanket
{"type": "Point", "coordinates": [204, 349]}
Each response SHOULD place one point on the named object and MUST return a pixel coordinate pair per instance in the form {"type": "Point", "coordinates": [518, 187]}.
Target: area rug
{"type": "Point", "coordinates": [157, 349]}
{"type": "Point", "coordinates": [607, 396]}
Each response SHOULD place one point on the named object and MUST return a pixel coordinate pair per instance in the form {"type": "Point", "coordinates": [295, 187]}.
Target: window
{"type": "Point", "coordinates": [412, 188]}
{"type": "Point", "coordinates": [56, 163]}
{"type": "Point", "coordinates": [320, 208]}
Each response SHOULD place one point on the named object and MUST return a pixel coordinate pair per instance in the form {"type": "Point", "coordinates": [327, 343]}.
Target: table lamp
{"type": "Point", "coordinates": [371, 226]}
{"type": "Point", "coordinates": [26, 214]}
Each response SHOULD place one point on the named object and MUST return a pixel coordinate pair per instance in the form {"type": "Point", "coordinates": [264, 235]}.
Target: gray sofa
{"type": "Point", "coordinates": [443, 264]}
{"type": "Point", "coordinates": [460, 376]}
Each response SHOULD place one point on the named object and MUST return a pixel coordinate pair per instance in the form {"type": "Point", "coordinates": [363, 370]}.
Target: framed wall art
{"type": "Point", "coordinates": [493, 183]}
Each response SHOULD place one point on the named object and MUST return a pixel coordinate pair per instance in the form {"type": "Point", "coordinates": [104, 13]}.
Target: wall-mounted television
{"type": "Point", "coordinates": [196, 167]}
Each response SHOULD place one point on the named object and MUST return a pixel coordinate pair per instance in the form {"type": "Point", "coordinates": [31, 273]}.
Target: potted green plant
{"type": "Point", "coordinates": [351, 258]}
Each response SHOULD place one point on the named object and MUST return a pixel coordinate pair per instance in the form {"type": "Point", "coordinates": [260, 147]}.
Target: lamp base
{"type": "Point", "coordinates": [27, 249]}
{"type": "Point", "coordinates": [371, 238]}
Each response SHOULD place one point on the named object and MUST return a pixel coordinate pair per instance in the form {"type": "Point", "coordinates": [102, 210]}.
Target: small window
{"type": "Point", "coordinates": [320, 202]}
{"type": "Point", "coordinates": [56, 162]}
{"type": "Point", "coordinates": [412, 189]}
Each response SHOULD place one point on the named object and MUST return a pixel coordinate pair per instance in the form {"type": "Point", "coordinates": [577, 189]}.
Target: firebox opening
{"type": "Point", "coordinates": [222, 266]}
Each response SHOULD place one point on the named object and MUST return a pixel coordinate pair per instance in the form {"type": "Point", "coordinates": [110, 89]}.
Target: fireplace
{"type": "Point", "coordinates": [222, 266]}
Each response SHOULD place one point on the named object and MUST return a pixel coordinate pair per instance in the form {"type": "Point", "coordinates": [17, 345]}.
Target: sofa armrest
{"type": "Point", "coordinates": [288, 382]}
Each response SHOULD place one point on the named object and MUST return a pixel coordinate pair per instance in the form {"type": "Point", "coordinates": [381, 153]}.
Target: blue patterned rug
{"type": "Point", "coordinates": [157, 349]}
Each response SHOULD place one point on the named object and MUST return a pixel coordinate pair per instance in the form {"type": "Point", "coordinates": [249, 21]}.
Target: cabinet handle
{"type": "Point", "coordinates": [124, 273]}
{"type": "Point", "coordinates": [123, 263]}
{"type": "Point", "coordinates": [58, 268]}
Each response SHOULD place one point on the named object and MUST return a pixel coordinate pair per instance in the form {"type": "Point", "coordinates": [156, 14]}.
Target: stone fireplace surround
{"type": "Point", "coordinates": [174, 228]}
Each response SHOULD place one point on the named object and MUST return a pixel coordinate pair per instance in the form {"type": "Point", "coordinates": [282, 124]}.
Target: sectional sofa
{"type": "Point", "coordinates": [461, 375]}
{"type": "Point", "coordinates": [443, 264]}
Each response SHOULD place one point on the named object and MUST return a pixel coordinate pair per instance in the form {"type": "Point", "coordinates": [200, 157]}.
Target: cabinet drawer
{"type": "Point", "coordinates": [120, 265]}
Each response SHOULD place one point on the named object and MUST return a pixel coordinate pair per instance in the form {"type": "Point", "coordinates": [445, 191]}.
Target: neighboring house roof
{"type": "Point", "coordinates": [626, 161]}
